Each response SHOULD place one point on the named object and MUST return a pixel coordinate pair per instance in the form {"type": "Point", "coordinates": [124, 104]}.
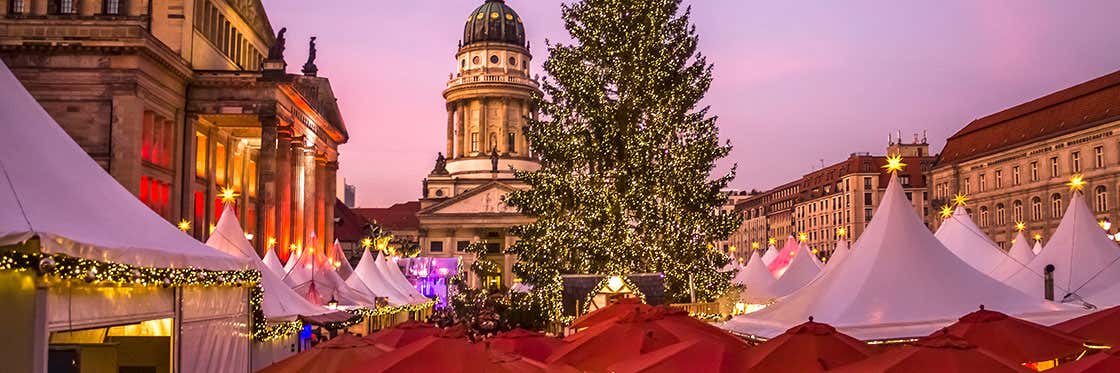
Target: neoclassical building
{"type": "Point", "coordinates": [1014, 165]}
{"type": "Point", "coordinates": [488, 105]}
{"type": "Point", "coordinates": [179, 100]}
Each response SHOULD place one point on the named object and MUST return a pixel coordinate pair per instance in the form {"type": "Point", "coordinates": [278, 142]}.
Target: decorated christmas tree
{"type": "Point", "coordinates": [627, 154]}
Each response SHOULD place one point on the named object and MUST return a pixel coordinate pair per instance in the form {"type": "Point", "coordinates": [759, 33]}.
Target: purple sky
{"type": "Point", "coordinates": [796, 81]}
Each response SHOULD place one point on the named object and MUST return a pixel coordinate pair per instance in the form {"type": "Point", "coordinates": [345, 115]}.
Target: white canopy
{"type": "Point", "coordinates": [801, 270]}
{"type": "Point", "coordinates": [838, 255]}
{"type": "Point", "coordinates": [1084, 259]}
{"type": "Point", "coordinates": [898, 281]}
{"type": "Point", "coordinates": [1015, 260]}
{"type": "Point", "coordinates": [392, 272]}
{"type": "Point", "coordinates": [961, 236]}
{"type": "Point", "coordinates": [272, 262]}
{"type": "Point", "coordinates": [769, 255]}
{"type": "Point", "coordinates": [292, 259]}
{"type": "Point", "coordinates": [51, 189]}
{"type": "Point", "coordinates": [369, 274]}
{"type": "Point", "coordinates": [279, 302]}
{"type": "Point", "coordinates": [757, 280]}
{"type": "Point", "coordinates": [314, 278]}
{"type": "Point", "coordinates": [1037, 247]}
{"type": "Point", "coordinates": [338, 256]}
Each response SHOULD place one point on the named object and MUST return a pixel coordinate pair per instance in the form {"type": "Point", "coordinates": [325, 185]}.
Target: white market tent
{"type": "Point", "coordinates": [1085, 261]}
{"type": "Point", "coordinates": [1037, 247]}
{"type": "Point", "coordinates": [897, 282]}
{"type": "Point", "coordinates": [1016, 259]}
{"type": "Point", "coordinates": [392, 272]}
{"type": "Point", "coordinates": [368, 274]}
{"type": "Point", "coordinates": [769, 255]}
{"type": "Point", "coordinates": [801, 270]}
{"type": "Point", "coordinates": [272, 262]}
{"type": "Point", "coordinates": [961, 236]}
{"type": "Point", "coordinates": [757, 281]}
{"type": "Point", "coordinates": [784, 257]}
{"type": "Point", "coordinates": [338, 256]}
{"type": "Point", "coordinates": [279, 302]}
{"type": "Point", "coordinates": [838, 255]}
{"type": "Point", "coordinates": [314, 278]}
{"type": "Point", "coordinates": [293, 258]}
{"type": "Point", "coordinates": [50, 189]}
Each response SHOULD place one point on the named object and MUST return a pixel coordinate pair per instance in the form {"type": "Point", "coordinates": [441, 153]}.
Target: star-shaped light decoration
{"type": "Point", "coordinates": [184, 225]}
{"type": "Point", "coordinates": [271, 242]}
{"type": "Point", "coordinates": [960, 199]}
{"type": "Point", "coordinates": [802, 236]}
{"type": "Point", "coordinates": [1076, 182]}
{"type": "Point", "coordinates": [841, 231]}
{"type": "Point", "coordinates": [894, 163]}
{"type": "Point", "coordinates": [732, 249]}
{"type": "Point", "coordinates": [1020, 226]}
{"type": "Point", "coordinates": [367, 243]}
{"type": "Point", "coordinates": [946, 211]}
{"type": "Point", "coordinates": [229, 195]}
{"type": "Point", "coordinates": [754, 245]}
{"type": "Point", "coordinates": [772, 241]}
{"type": "Point", "coordinates": [1037, 237]}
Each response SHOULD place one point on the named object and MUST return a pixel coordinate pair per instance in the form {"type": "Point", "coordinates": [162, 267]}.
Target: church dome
{"type": "Point", "coordinates": [494, 21]}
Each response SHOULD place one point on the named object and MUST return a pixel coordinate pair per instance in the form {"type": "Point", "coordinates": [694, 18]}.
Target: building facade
{"type": "Point", "coordinates": [842, 195]}
{"type": "Point", "coordinates": [1014, 165]}
{"type": "Point", "coordinates": [489, 101]}
{"type": "Point", "coordinates": [171, 99]}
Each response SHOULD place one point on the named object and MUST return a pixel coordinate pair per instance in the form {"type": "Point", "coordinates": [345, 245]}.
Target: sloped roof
{"type": "Point", "coordinates": [1018, 257]}
{"type": "Point", "coordinates": [1081, 106]}
{"type": "Point", "coordinates": [350, 226]}
{"type": "Point", "coordinates": [398, 217]}
{"type": "Point", "coordinates": [961, 236]}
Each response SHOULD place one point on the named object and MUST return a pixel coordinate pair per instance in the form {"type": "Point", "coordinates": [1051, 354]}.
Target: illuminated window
{"type": "Point", "coordinates": [16, 7]}
{"type": "Point", "coordinates": [1099, 157]}
{"type": "Point", "coordinates": [474, 141]}
{"type": "Point", "coordinates": [1053, 166]}
{"type": "Point", "coordinates": [1015, 175]}
{"type": "Point", "coordinates": [220, 164]}
{"type": "Point", "coordinates": [238, 170]}
{"type": "Point", "coordinates": [984, 216]}
{"type": "Point", "coordinates": [1001, 215]}
{"type": "Point", "coordinates": [200, 155]}
{"type": "Point", "coordinates": [494, 282]}
{"type": "Point", "coordinates": [1102, 199]}
{"type": "Point", "coordinates": [1017, 210]}
{"type": "Point", "coordinates": [984, 181]}
{"type": "Point", "coordinates": [1034, 171]}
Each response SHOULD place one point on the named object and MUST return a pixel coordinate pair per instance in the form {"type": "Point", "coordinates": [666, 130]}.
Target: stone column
{"type": "Point", "coordinates": [296, 200]}
{"type": "Point", "coordinates": [266, 182]}
{"type": "Point", "coordinates": [88, 7]}
{"type": "Point", "coordinates": [37, 7]}
{"type": "Point", "coordinates": [502, 121]}
{"type": "Point", "coordinates": [483, 126]}
{"type": "Point", "coordinates": [331, 181]}
{"type": "Point", "coordinates": [185, 181]}
{"type": "Point", "coordinates": [283, 209]}
{"type": "Point", "coordinates": [125, 136]}
{"type": "Point", "coordinates": [320, 195]}
{"type": "Point", "coordinates": [464, 129]}
{"type": "Point", "coordinates": [309, 180]}
{"type": "Point", "coordinates": [450, 129]}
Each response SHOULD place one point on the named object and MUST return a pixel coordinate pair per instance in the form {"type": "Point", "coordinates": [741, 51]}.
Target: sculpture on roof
{"type": "Point", "coordinates": [441, 165]}
{"type": "Point", "coordinates": [309, 68]}
{"type": "Point", "coordinates": [277, 50]}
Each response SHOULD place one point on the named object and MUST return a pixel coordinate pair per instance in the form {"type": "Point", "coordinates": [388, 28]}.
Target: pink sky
{"type": "Point", "coordinates": [796, 81]}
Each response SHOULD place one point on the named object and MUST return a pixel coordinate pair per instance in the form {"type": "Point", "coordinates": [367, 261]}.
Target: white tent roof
{"type": "Point", "coordinates": [769, 255]}
{"type": "Point", "coordinates": [898, 281]}
{"type": "Point", "coordinates": [279, 301]}
{"type": "Point", "coordinates": [369, 274]}
{"type": "Point", "coordinates": [51, 189]}
{"type": "Point", "coordinates": [314, 278]}
{"type": "Point", "coordinates": [392, 272]}
{"type": "Point", "coordinates": [801, 270]}
{"type": "Point", "coordinates": [784, 257]}
{"type": "Point", "coordinates": [1037, 247]}
{"type": "Point", "coordinates": [272, 262]}
{"type": "Point", "coordinates": [838, 255]}
{"type": "Point", "coordinates": [1015, 260]}
{"type": "Point", "coordinates": [1084, 259]}
{"type": "Point", "coordinates": [961, 236]}
{"type": "Point", "coordinates": [292, 259]}
{"type": "Point", "coordinates": [339, 256]}
{"type": "Point", "coordinates": [757, 280]}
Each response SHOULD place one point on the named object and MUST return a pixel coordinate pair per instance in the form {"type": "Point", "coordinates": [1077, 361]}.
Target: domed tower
{"type": "Point", "coordinates": [488, 101]}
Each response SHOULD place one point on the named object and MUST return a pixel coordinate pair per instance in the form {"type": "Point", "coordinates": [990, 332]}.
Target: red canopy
{"type": "Point", "coordinates": [686, 327]}
{"type": "Point", "coordinates": [809, 347]}
{"type": "Point", "coordinates": [609, 342]}
{"type": "Point", "coordinates": [620, 307]}
{"type": "Point", "coordinates": [525, 343]}
{"type": "Point", "coordinates": [1014, 339]}
{"type": "Point", "coordinates": [941, 353]}
{"type": "Point", "coordinates": [696, 356]}
{"type": "Point", "coordinates": [330, 356]}
{"type": "Point", "coordinates": [448, 352]}
{"type": "Point", "coordinates": [1099, 327]}
{"type": "Point", "coordinates": [403, 334]}
{"type": "Point", "coordinates": [1101, 362]}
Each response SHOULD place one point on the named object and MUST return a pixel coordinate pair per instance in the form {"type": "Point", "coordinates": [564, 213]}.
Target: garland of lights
{"type": "Point", "coordinates": [626, 282]}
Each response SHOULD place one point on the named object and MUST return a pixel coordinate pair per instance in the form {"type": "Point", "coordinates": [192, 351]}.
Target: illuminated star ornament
{"type": "Point", "coordinates": [802, 236]}
{"type": "Point", "coordinates": [1076, 183]}
{"type": "Point", "coordinates": [894, 163]}
{"type": "Point", "coordinates": [229, 195]}
{"type": "Point", "coordinates": [1037, 237]}
{"type": "Point", "coordinates": [772, 241]}
{"type": "Point", "coordinates": [1020, 226]}
{"type": "Point", "coordinates": [754, 245]}
{"type": "Point", "coordinates": [184, 225]}
{"type": "Point", "coordinates": [841, 232]}
{"type": "Point", "coordinates": [960, 199]}
{"type": "Point", "coordinates": [946, 211]}
{"type": "Point", "coordinates": [367, 243]}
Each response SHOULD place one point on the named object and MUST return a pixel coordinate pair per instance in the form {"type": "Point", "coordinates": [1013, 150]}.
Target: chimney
{"type": "Point", "coordinates": [1048, 282]}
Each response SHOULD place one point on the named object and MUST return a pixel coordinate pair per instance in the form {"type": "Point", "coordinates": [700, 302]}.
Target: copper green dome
{"type": "Point", "coordinates": [494, 21]}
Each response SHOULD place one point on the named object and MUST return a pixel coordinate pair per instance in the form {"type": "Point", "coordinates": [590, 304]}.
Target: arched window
{"type": "Point", "coordinates": [511, 142]}
{"type": "Point", "coordinates": [1017, 210]}
{"type": "Point", "coordinates": [1001, 215]}
{"type": "Point", "coordinates": [984, 216]}
{"type": "Point", "coordinates": [1055, 206]}
{"type": "Point", "coordinates": [1036, 208]}
{"type": "Point", "coordinates": [1102, 198]}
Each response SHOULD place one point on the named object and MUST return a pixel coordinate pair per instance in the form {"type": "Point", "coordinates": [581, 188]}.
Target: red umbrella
{"type": "Point", "coordinates": [330, 356]}
{"type": "Point", "coordinates": [1099, 327]}
{"type": "Point", "coordinates": [448, 352]}
{"type": "Point", "coordinates": [619, 307]}
{"type": "Point", "coordinates": [696, 355]}
{"type": "Point", "coordinates": [1101, 362]}
{"type": "Point", "coordinates": [941, 352]}
{"type": "Point", "coordinates": [1014, 339]}
{"type": "Point", "coordinates": [403, 334]}
{"type": "Point", "coordinates": [809, 347]}
{"type": "Point", "coordinates": [525, 343]}
{"type": "Point", "coordinates": [609, 342]}
{"type": "Point", "coordinates": [686, 327]}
